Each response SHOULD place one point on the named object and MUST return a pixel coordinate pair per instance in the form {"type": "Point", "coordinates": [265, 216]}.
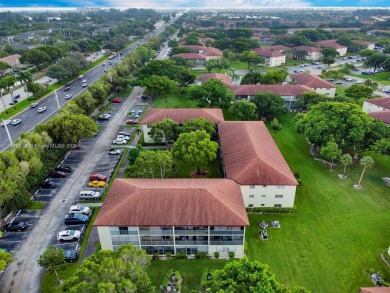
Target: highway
{"type": "Point", "coordinates": [30, 116]}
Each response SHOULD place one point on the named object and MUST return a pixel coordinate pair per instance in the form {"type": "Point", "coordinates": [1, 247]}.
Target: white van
{"type": "Point", "coordinates": [90, 194]}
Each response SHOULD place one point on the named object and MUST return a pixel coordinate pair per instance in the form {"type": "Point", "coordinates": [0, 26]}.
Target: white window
{"type": "Point", "coordinates": [250, 205]}
{"type": "Point", "coordinates": [149, 126]}
{"type": "Point", "coordinates": [251, 186]}
{"type": "Point", "coordinates": [263, 195]}
{"type": "Point", "coordinates": [278, 195]}
{"type": "Point", "coordinates": [251, 196]}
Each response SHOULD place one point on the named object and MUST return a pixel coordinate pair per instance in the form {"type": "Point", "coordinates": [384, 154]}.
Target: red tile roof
{"type": "Point", "coordinates": [311, 81]}
{"type": "Point", "coordinates": [222, 77]}
{"type": "Point", "coordinates": [381, 102]}
{"type": "Point", "coordinates": [212, 52]}
{"type": "Point", "coordinates": [307, 48]}
{"type": "Point", "coordinates": [173, 202]}
{"type": "Point", "coordinates": [375, 290]}
{"type": "Point", "coordinates": [363, 42]}
{"type": "Point", "coordinates": [267, 53]}
{"type": "Point", "coordinates": [381, 115]}
{"type": "Point", "coordinates": [11, 59]}
{"type": "Point", "coordinates": [193, 47]}
{"type": "Point", "coordinates": [191, 56]}
{"type": "Point", "coordinates": [277, 48]}
{"type": "Point", "coordinates": [330, 44]}
{"type": "Point", "coordinates": [182, 115]}
{"type": "Point", "coordinates": [280, 89]}
{"type": "Point", "coordinates": [251, 156]}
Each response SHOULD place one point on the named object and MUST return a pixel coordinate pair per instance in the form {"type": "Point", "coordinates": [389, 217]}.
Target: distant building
{"type": "Point", "coordinates": [312, 53]}
{"type": "Point", "coordinates": [195, 57]}
{"type": "Point", "coordinates": [12, 60]}
{"type": "Point", "coordinates": [222, 77]}
{"type": "Point", "coordinates": [272, 58]}
{"type": "Point", "coordinates": [368, 45]}
{"type": "Point", "coordinates": [375, 105]}
{"type": "Point", "coordinates": [314, 82]}
{"type": "Point", "coordinates": [342, 50]}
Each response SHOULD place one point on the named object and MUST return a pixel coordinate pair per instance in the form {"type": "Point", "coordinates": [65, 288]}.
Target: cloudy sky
{"type": "Point", "coordinates": [194, 3]}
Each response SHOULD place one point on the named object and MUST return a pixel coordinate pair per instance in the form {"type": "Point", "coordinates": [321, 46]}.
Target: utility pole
{"type": "Point", "coordinates": [8, 134]}
{"type": "Point", "coordinates": [58, 102]}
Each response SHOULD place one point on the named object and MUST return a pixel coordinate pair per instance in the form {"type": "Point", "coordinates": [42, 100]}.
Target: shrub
{"type": "Point", "coordinates": [181, 255]}
{"type": "Point", "coordinates": [231, 254]}
{"type": "Point", "coordinates": [216, 254]}
{"type": "Point", "coordinates": [155, 256]}
{"type": "Point", "coordinates": [201, 255]}
{"type": "Point", "coordinates": [168, 255]}
{"type": "Point", "coordinates": [270, 210]}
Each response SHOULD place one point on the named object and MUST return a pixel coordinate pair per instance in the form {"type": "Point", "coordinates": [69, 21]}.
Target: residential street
{"type": "Point", "coordinates": [23, 274]}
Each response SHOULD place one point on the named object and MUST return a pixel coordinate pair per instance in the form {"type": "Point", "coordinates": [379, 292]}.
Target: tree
{"type": "Point", "coordinates": [330, 52]}
{"type": "Point", "coordinates": [245, 276]}
{"type": "Point", "coordinates": [52, 260]}
{"type": "Point", "coordinates": [251, 58]}
{"type": "Point", "coordinates": [165, 130]}
{"type": "Point", "coordinates": [328, 60]}
{"type": "Point", "coordinates": [199, 124]}
{"type": "Point", "coordinates": [212, 93]}
{"type": "Point", "coordinates": [5, 258]}
{"type": "Point", "coordinates": [330, 152]}
{"type": "Point", "coordinates": [299, 54]}
{"type": "Point", "coordinates": [86, 102]}
{"type": "Point", "coordinates": [357, 91]}
{"type": "Point", "coordinates": [382, 146]}
{"type": "Point", "coordinates": [152, 164]}
{"type": "Point", "coordinates": [132, 155]}
{"type": "Point", "coordinates": [345, 160]}
{"type": "Point", "coordinates": [243, 110]}
{"type": "Point", "coordinates": [367, 162]}
{"type": "Point", "coordinates": [3, 67]}
{"type": "Point", "coordinates": [161, 85]}
{"type": "Point", "coordinates": [195, 148]}
{"type": "Point", "coordinates": [308, 99]}
{"type": "Point", "coordinates": [112, 271]}
{"type": "Point", "coordinates": [375, 61]}
{"type": "Point", "coordinates": [274, 77]}
{"type": "Point", "coordinates": [268, 104]}
{"type": "Point", "coordinates": [251, 78]}
{"type": "Point", "coordinates": [25, 77]}
{"type": "Point", "coordinates": [275, 125]}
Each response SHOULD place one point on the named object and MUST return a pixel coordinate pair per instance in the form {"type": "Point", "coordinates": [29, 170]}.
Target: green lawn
{"type": "Point", "coordinates": [191, 271]}
{"type": "Point", "coordinates": [381, 77]}
{"type": "Point", "coordinates": [340, 90]}
{"type": "Point", "coordinates": [175, 101]}
{"type": "Point", "coordinates": [336, 233]}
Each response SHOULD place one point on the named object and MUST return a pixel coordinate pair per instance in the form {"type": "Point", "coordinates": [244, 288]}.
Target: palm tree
{"type": "Point", "coordinates": [25, 77]}
{"type": "Point", "coordinates": [3, 87]}
{"type": "Point", "coordinates": [368, 163]}
{"type": "Point", "coordinates": [345, 160]}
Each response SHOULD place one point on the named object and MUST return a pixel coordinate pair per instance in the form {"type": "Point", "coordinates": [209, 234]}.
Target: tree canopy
{"type": "Point", "coordinates": [212, 93]}
{"type": "Point", "coordinates": [252, 77]}
{"type": "Point", "coordinates": [357, 91]}
{"type": "Point", "coordinates": [165, 131]}
{"type": "Point", "coordinates": [151, 164]}
{"type": "Point", "coordinates": [161, 85]}
{"type": "Point", "coordinates": [199, 124]}
{"type": "Point", "coordinates": [244, 110]}
{"type": "Point", "coordinates": [268, 104]}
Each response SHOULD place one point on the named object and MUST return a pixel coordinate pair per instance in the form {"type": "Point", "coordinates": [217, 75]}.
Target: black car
{"type": "Point", "coordinates": [48, 185]}
{"type": "Point", "coordinates": [13, 102]}
{"type": "Point", "coordinates": [75, 219]}
{"type": "Point", "coordinates": [71, 255]}
{"type": "Point", "coordinates": [68, 83]}
{"type": "Point", "coordinates": [66, 89]}
{"type": "Point", "coordinates": [103, 118]}
{"type": "Point", "coordinates": [16, 96]}
{"type": "Point", "coordinates": [64, 169]}
{"type": "Point", "coordinates": [57, 174]}
{"type": "Point", "coordinates": [15, 226]}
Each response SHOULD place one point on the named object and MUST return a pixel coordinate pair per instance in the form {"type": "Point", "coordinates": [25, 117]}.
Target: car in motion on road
{"type": "Point", "coordinates": [98, 177]}
{"type": "Point", "coordinates": [67, 97]}
{"type": "Point", "coordinates": [75, 219]}
{"type": "Point", "coordinates": [34, 105]}
{"type": "Point", "coordinates": [15, 226]}
{"type": "Point", "coordinates": [69, 235]}
{"type": "Point", "coordinates": [96, 184]}
{"type": "Point", "coordinates": [80, 209]}
{"type": "Point", "coordinates": [16, 121]}
{"type": "Point", "coordinates": [84, 84]}
{"type": "Point", "coordinates": [66, 89]}
{"type": "Point", "coordinates": [5, 122]}
{"type": "Point", "coordinates": [42, 109]}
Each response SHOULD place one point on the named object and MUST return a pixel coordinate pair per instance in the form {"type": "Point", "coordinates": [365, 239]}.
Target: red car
{"type": "Point", "coordinates": [131, 122]}
{"type": "Point", "coordinates": [116, 101]}
{"type": "Point", "coordinates": [98, 177]}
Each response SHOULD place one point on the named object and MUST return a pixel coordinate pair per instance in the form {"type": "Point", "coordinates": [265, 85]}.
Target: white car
{"type": "Point", "coordinates": [125, 137]}
{"type": "Point", "coordinates": [114, 152]}
{"type": "Point", "coordinates": [69, 235]}
{"type": "Point", "coordinates": [108, 115]}
{"type": "Point", "coordinates": [119, 141]}
{"type": "Point", "coordinates": [15, 121]}
{"type": "Point", "coordinates": [6, 122]}
{"type": "Point", "coordinates": [33, 105]}
{"type": "Point", "coordinates": [67, 97]}
{"type": "Point", "coordinates": [41, 109]}
{"type": "Point", "coordinates": [84, 81]}
{"type": "Point", "coordinates": [84, 84]}
{"type": "Point", "coordinates": [79, 209]}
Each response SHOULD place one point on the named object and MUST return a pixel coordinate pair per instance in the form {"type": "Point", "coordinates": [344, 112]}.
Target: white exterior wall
{"type": "Point", "coordinates": [146, 130]}
{"type": "Point", "coordinates": [342, 51]}
{"type": "Point", "coordinates": [237, 249]}
{"type": "Point", "coordinates": [330, 92]}
{"type": "Point", "coordinates": [264, 195]}
{"type": "Point", "coordinates": [276, 61]}
{"type": "Point", "coordinates": [105, 237]}
{"type": "Point", "coordinates": [371, 46]}
{"type": "Point", "coordinates": [313, 56]}
{"type": "Point", "coordinates": [368, 108]}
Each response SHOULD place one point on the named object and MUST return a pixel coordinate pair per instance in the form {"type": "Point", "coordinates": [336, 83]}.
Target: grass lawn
{"type": "Point", "coordinates": [381, 77]}
{"type": "Point", "coordinates": [191, 271]}
{"type": "Point", "coordinates": [175, 101]}
{"type": "Point", "coordinates": [336, 233]}
{"type": "Point", "coordinates": [340, 90]}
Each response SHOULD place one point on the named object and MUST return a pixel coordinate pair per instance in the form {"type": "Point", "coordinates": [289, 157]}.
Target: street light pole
{"type": "Point", "coordinates": [8, 134]}
{"type": "Point", "coordinates": [58, 102]}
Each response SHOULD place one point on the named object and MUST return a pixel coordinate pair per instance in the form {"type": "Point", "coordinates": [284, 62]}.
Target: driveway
{"type": "Point", "coordinates": [23, 274]}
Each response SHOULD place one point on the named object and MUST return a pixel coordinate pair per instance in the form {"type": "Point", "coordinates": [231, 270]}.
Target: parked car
{"type": "Point", "coordinates": [67, 97]}
{"type": "Point", "coordinates": [103, 118]}
{"type": "Point", "coordinates": [131, 121]}
{"type": "Point", "coordinates": [69, 235]}
{"type": "Point", "coordinates": [13, 102]}
{"type": "Point", "coordinates": [124, 133]}
{"type": "Point", "coordinates": [114, 151]}
{"type": "Point", "coordinates": [15, 226]}
{"type": "Point", "coordinates": [80, 209]}
{"type": "Point", "coordinates": [71, 255]}
{"type": "Point", "coordinates": [64, 169]}
{"type": "Point", "coordinates": [57, 174]}
{"type": "Point", "coordinates": [144, 97]}
{"type": "Point", "coordinates": [16, 122]}
{"type": "Point", "coordinates": [84, 84]}
{"type": "Point", "coordinates": [68, 83]}
{"type": "Point", "coordinates": [48, 184]}
{"type": "Point", "coordinates": [119, 141]}
{"type": "Point", "coordinates": [42, 109]}
{"type": "Point", "coordinates": [66, 89]}
{"type": "Point", "coordinates": [75, 219]}
{"type": "Point", "coordinates": [96, 184]}
{"type": "Point", "coordinates": [116, 101]}
{"type": "Point", "coordinates": [123, 137]}
{"type": "Point", "coordinates": [90, 194]}
{"type": "Point", "coordinates": [98, 177]}
{"type": "Point", "coordinates": [5, 122]}
{"type": "Point", "coordinates": [106, 115]}
{"type": "Point", "coordinates": [16, 96]}
{"type": "Point", "coordinates": [34, 105]}
{"type": "Point", "coordinates": [84, 80]}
